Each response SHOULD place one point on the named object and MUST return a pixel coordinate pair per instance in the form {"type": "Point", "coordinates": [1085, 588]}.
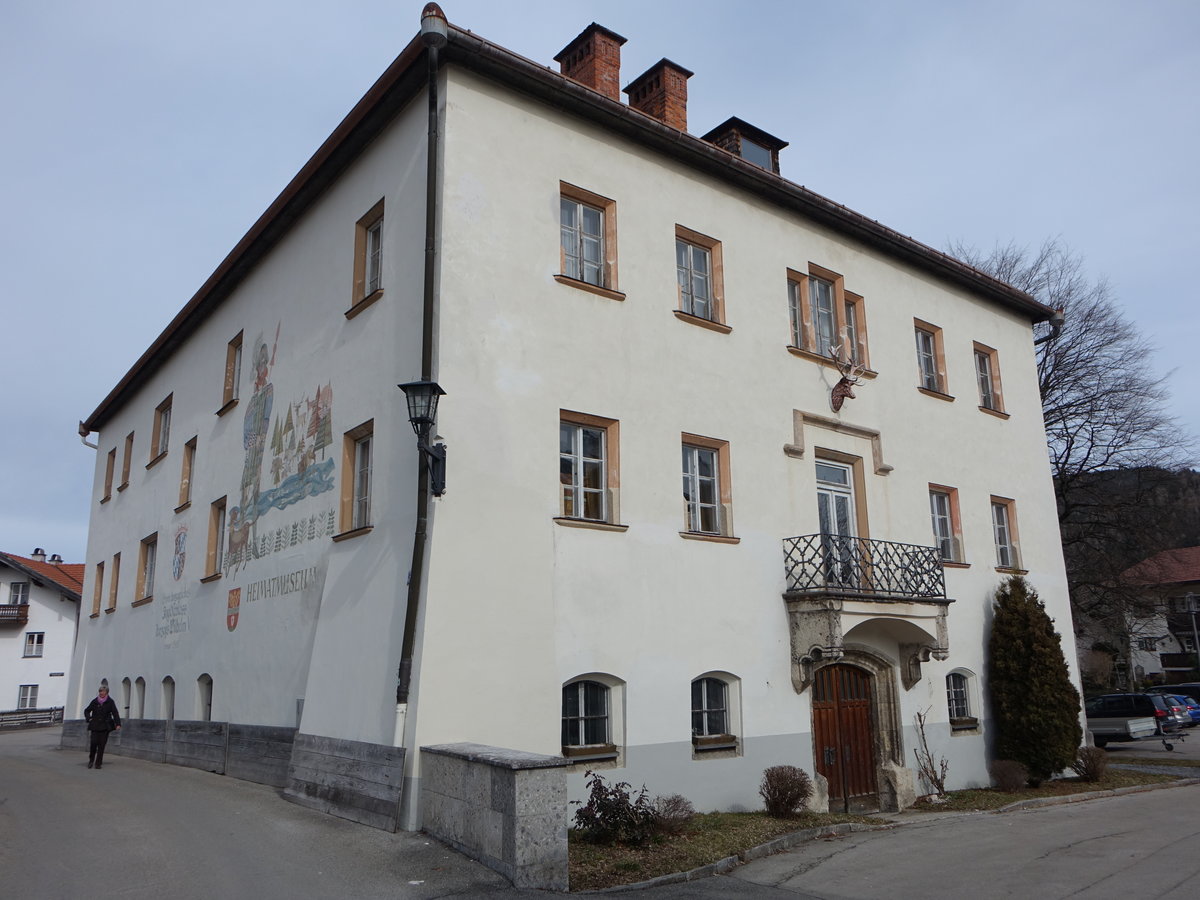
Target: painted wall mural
{"type": "Point", "coordinates": [300, 433]}
{"type": "Point", "coordinates": [179, 557]}
{"type": "Point", "coordinates": [173, 618]}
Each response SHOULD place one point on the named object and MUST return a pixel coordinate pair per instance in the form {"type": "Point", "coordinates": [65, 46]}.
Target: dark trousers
{"type": "Point", "coordinates": [96, 748]}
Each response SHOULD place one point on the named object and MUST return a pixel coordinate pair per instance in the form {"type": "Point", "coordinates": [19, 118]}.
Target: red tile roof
{"type": "Point", "coordinates": [68, 576]}
{"type": "Point", "coordinates": [1168, 567]}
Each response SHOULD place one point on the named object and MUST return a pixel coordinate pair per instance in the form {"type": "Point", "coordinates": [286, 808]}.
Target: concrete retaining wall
{"type": "Point", "coordinates": [505, 808]}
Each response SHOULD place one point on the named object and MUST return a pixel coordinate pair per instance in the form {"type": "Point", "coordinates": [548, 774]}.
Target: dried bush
{"type": "Point", "coordinates": [933, 769]}
{"type": "Point", "coordinates": [614, 814]}
{"type": "Point", "coordinates": [1091, 763]}
{"type": "Point", "coordinates": [673, 813]}
{"type": "Point", "coordinates": [1010, 776]}
{"type": "Point", "coordinates": [785, 790]}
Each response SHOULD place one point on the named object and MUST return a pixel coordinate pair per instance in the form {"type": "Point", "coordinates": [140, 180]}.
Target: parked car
{"type": "Point", "coordinates": [1189, 689]}
{"type": "Point", "coordinates": [1114, 718]}
{"type": "Point", "coordinates": [1190, 706]}
{"type": "Point", "coordinates": [1178, 710]}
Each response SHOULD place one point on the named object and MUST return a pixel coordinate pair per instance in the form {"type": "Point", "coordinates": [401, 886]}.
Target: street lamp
{"type": "Point", "coordinates": [422, 398]}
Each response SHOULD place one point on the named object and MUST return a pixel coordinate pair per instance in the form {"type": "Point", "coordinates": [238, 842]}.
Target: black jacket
{"type": "Point", "coordinates": [102, 716]}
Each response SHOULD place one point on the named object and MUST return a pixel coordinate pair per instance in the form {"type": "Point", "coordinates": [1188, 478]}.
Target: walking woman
{"type": "Point", "coordinates": [102, 717]}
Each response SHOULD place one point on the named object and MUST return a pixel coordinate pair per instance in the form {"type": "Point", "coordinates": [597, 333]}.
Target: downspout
{"type": "Point", "coordinates": [434, 32]}
{"type": "Point", "coordinates": [1056, 324]}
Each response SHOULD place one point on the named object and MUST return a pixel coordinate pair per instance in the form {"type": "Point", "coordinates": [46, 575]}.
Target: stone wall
{"type": "Point", "coordinates": [505, 808]}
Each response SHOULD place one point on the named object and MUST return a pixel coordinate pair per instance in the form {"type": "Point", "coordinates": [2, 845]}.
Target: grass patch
{"type": "Point", "coordinates": [990, 798]}
{"type": "Point", "coordinates": [1155, 761]}
{"type": "Point", "coordinates": [709, 837]}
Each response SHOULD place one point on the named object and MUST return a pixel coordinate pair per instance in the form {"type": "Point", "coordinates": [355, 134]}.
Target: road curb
{"type": "Point", "coordinates": [1038, 802]}
{"type": "Point", "coordinates": [788, 841]}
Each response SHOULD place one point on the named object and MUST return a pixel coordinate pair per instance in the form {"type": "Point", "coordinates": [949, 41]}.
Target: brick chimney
{"type": "Point", "coordinates": [594, 59]}
{"type": "Point", "coordinates": [661, 91]}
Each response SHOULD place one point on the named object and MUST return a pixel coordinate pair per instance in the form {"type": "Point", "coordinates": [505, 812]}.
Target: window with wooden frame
{"type": "Point", "coordinates": [368, 260]}
{"type": "Point", "coordinates": [231, 385]}
{"type": "Point", "coordinates": [27, 696]}
{"type": "Point", "coordinates": [185, 475]}
{"type": "Point", "coordinates": [588, 470]}
{"type": "Point", "coordinates": [707, 495]}
{"type": "Point", "coordinates": [147, 561]}
{"type": "Point", "coordinates": [35, 643]}
{"type": "Point", "coordinates": [592, 718]}
{"type": "Point", "coordinates": [126, 462]}
{"type": "Point", "coordinates": [700, 274]}
{"type": "Point", "coordinates": [715, 715]}
{"type": "Point", "coordinates": [931, 360]}
{"type": "Point", "coordinates": [947, 526]}
{"type": "Point", "coordinates": [114, 578]}
{"type": "Point", "coordinates": [98, 589]}
{"type": "Point", "coordinates": [987, 376]}
{"type": "Point", "coordinates": [1004, 531]}
{"type": "Point", "coordinates": [110, 468]}
{"type": "Point", "coordinates": [215, 556]}
{"type": "Point", "coordinates": [357, 454]}
{"type": "Point", "coordinates": [587, 241]}
{"type": "Point", "coordinates": [160, 438]}
{"type": "Point", "coordinates": [826, 319]}
{"type": "Point", "coordinates": [959, 704]}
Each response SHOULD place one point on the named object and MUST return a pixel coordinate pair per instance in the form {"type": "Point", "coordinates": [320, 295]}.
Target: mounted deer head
{"type": "Point", "coordinates": [851, 375]}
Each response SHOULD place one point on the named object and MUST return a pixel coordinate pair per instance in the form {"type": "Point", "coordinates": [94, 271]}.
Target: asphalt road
{"type": "Point", "coordinates": [144, 830]}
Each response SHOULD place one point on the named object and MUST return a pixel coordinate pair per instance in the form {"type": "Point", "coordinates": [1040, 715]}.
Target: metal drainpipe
{"type": "Point", "coordinates": [434, 38]}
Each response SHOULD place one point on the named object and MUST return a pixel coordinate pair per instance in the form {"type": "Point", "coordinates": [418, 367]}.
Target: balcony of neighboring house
{"type": "Point", "coordinates": [1183, 662]}
{"type": "Point", "coordinates": [14, 614]}
{"type": "Point", "coordinates": [836, 583]}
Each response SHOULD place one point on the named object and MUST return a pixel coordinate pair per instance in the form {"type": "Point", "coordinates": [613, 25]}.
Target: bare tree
{"type": "Point", "coordinates": [1111, 439]}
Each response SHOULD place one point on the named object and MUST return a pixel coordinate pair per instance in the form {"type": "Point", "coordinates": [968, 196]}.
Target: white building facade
{"type": "Point", "coordinates": [39, 609]}
{"type": "Point", "coordinates": [614, 308]}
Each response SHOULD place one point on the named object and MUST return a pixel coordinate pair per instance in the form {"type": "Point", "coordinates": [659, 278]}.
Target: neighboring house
{"type": "Point", "coordinates": [1163, 646]}
{"type": "Point", "coordinates": [673, 542]}
{"type": "Point", "coordinates": [39, 612]}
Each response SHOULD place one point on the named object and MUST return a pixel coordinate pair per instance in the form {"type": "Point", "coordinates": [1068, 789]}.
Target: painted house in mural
{"type": "Point", "coordinates": [732, 471]}
{"type": "Point", "coordinates": [39, 612]}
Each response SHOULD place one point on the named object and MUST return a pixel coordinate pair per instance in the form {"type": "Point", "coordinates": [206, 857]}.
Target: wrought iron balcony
{"type": "Point", "coordinates": [14, 614]}
{"type": "Point", "coordinates": [852, 566]}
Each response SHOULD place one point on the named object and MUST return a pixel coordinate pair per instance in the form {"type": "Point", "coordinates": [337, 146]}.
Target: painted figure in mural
{"type": "Point", "coordinates": [254, 433]}
{"type": "Point", "coordinates": [102, 717]}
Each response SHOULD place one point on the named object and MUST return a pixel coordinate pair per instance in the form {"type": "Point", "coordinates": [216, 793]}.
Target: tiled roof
{"type": "Point", "coordinates": [1168, 567]}
{"type": "Point", "coordinates": [68, 576]}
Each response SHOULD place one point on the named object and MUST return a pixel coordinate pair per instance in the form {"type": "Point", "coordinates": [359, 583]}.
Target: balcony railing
{"type": "Point", "coordinates": [14, 613]}
{"type": "Point", "coordinates": [830, 564]}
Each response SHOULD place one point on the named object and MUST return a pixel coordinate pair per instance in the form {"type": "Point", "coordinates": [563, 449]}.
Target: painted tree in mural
{"type": "Point", "coordinates": [1034, 704]}
{"type": "Point", "coordinates": [289, 431]}
{"type": "Point", "coordinates": [320, 425]}
{"type": "Point", "coordinates": [277, 438]}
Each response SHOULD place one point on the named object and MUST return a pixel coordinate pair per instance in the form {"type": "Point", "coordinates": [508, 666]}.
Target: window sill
{"type": "Point", "coordinates": [714, 538]}
{"type": "Point", "coordinates": [31, 656]}
{"type": "Point", "coordinates": [352, 533]}
{"type": "Point", "coordinates": [998, 413]}
{"type": "Point", "coordinates": [122, 486]}
{"type": "Point", "coordinates": [589, 287]}
{"type": "Point", "coordinates": [588, 523]}
{"type": "Point", "coordinates": [963, 727]}
{"type": "Point", "coordinates": [710, 742]}
{"type": "Point", "coordinates": [954, 564]}
{"type": "Point", "coordinates": [110, 609]}
{"type": "Point", "coordinates": [227, 407]}
{"type": "Point", "coordinates": [142, 602]}
{"type": "Point", "coordinates": [209, 579]}
{"type": "Point", "coordinates": [590, 752]}
{"type": "Point", "coordinates": [182, 506]}
{"type": "Point", "coordinates": [702, 322]}
{"type": "Point", "coordinates": [363, 303]}
{"type": "Point", "coordinates": [939, 395]}
{"type": "Point", "coordinates": [156, 460]}
{"type": "Point", "coordinates": [1010, 570]}
{"type": "Point", "coordinates": [94, 616]}
{"type": "Point", "coordinates": [824, 360]}
{"type": "Point", "coordinates": [106, 498]}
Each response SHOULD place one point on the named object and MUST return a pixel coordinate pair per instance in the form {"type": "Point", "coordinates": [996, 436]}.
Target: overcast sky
{"type": "Point", "coordinates": [142, 138]}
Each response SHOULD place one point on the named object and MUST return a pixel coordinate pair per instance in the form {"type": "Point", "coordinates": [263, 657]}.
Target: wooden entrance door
{"type": "Point", "coordinates": [844, 737]}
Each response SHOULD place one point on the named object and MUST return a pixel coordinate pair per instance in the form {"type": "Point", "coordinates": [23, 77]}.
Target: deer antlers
{"type": "Point", "coordinates": [851, 375]}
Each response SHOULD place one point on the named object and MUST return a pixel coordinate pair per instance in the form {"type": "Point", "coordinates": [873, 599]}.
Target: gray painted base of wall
{"type": "Point", "coordinates": [350, 779]}
{"type": "Point", "coordinates": [258, 753]}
